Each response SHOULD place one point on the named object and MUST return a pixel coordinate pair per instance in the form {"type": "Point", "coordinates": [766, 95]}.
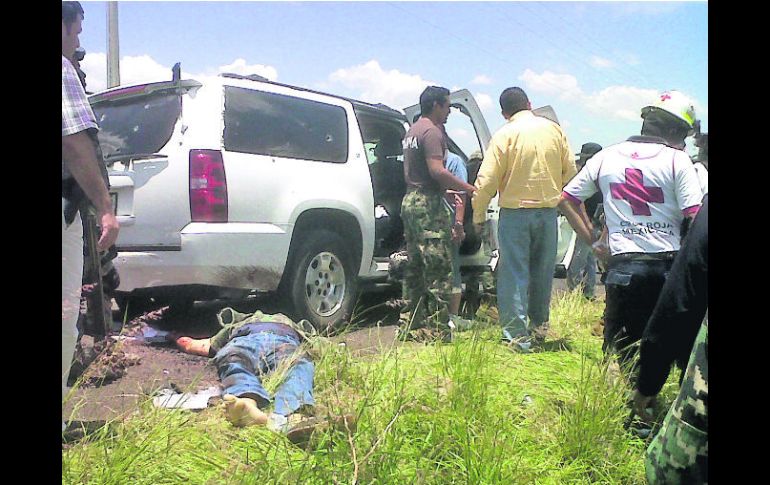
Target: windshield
{"type": "Point", "coordinates": [138, 125]}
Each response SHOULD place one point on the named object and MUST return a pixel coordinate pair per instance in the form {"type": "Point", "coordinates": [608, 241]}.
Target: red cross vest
{"type": "Point", "coordinates": [647, 189]}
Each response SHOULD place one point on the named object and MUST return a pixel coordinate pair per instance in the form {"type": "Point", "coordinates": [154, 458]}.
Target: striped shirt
{"type": "Point", "coordinates": [76, 113]}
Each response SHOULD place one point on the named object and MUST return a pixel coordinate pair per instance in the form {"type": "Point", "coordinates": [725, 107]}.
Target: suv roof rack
{"type": "Point", "coordinates": [362, 105]}
{"type": "Point", "coordinates": [251, 77]}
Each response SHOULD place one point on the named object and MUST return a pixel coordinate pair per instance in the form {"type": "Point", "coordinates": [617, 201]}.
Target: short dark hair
{"type": "Point", "coordinates": [658, 122]}
{"type": "Point", "coordinates": [430, 96]}
{"type": "Point", "coordinates": [513, 100]}
{"type": "Point", "coordinates": [70, 12]}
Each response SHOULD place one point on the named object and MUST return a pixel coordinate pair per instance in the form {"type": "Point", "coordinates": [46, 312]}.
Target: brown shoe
{"type": "Point", "coordinates": [539, 334]}
{"type": "Point", "coordinates": [301, 433]}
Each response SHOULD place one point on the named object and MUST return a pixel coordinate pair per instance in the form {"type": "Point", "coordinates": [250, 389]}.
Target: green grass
{"type": "Point", "coordinates": [469, 412]}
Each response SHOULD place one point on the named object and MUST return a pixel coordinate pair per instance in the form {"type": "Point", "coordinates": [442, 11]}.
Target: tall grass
{"type": "Point", "coordinates": [467, 412]}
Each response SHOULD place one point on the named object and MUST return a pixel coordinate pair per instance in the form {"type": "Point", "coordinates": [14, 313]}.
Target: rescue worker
{"type": "Point", "coordinates": [649, 187]}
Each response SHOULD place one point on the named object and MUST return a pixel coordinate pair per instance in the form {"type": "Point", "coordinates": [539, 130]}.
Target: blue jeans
{"type": "Point", "coordinates": [244, 359]}
{"type": "Point", "coordinates": [582, 269]}
{"type": "Point", "coordinates": [528, 239]}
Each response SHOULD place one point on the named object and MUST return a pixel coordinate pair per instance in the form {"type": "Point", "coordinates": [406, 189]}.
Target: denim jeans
{"type": "Point", "coordinates": [244, 359]}
{"type": "Point", "coordinates": [528, 239]}
{"type": "Point", "coordinates": [582, 269]}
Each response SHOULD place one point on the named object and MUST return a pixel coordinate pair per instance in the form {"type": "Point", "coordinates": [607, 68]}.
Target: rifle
{"type": "Point", "coordinates": [95, 298]}
{"type": "Point", "coordinates": [91, 233]}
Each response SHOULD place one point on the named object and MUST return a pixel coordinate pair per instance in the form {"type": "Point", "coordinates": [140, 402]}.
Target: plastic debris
{"type": "Point", "coordinates": [169, 399]}
{"type": "Point", "coordinates": [152, 335]}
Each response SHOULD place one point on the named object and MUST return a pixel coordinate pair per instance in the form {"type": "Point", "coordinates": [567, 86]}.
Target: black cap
{"type": "Point", "coordinates": [590, 149]}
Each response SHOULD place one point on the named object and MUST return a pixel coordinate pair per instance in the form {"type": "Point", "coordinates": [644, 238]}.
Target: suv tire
{"type": "Point", "coordinates": [323, 285]}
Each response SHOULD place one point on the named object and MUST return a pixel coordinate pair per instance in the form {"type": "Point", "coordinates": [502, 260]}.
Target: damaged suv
{"type": "Point", "coordinates": [242, 184]}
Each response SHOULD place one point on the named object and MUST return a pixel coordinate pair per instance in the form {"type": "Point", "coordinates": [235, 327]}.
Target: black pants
{"type": "Point", "coordinates": [632, 290]}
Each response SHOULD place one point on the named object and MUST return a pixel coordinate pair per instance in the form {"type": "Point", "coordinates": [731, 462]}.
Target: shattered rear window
{"type": "Point", "coordinates": [138, 125]}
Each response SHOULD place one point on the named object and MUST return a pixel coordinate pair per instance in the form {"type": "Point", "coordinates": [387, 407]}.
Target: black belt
{"type": "Point", "coordinates": [276, 328]}
{"type": "Point", "coordinates": [665, 256]}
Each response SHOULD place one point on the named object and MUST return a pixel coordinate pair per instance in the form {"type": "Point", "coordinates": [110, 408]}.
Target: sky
{"type": "Point", "coordinates": [596, 63]}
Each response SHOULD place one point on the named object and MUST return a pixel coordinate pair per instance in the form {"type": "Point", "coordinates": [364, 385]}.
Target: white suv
{"type": "Point", "coordinates": [245, 184]}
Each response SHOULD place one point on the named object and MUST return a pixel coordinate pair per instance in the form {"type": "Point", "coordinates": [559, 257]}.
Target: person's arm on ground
{"type": "Point", "coordinates": [193, 346]}
{"type": "Point", "coordinates": [80, 157]}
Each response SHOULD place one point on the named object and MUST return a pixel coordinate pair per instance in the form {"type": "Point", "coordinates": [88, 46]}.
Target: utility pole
{"type": "Point", "coordinates": [113, 49]}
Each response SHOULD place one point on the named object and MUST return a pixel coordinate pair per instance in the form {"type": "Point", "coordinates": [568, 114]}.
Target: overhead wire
{"type": "Point", "coordinates": [585, 37]}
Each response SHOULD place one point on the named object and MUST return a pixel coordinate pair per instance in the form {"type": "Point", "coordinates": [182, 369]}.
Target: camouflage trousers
{"type": "Point", "coordinates": [428, 273]}
{"type": "Point", "coordinates": [679, 453]}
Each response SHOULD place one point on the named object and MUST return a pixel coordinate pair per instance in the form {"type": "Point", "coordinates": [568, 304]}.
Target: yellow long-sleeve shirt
{"type": "Point", "coordinates": [528, 162]}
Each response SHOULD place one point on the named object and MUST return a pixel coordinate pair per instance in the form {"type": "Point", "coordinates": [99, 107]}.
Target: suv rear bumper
{"type": "Point", "coordinates": [231, 255]}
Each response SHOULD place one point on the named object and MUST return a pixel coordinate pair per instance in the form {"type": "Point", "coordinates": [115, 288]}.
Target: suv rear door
{"type": "Point", "coordinates": [138, 126]}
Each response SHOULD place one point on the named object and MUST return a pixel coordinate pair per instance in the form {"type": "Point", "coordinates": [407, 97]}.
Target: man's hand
{"type": "Point", "coordinates": [110, 229]}
{"type": "Point", "coordinates": [641, 403]}
{"type": "Point", "coordinates": [458, 233]}
{"type": "Point", "coordinates": [481, 229]}
{"type": "Point", "coordinates": [601, 251]}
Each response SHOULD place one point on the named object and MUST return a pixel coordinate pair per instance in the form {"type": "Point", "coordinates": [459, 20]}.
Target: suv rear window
{"type": "Point", "coordinates": [283, 126]}
{"type": "Point", "coordinates": [138, 125]}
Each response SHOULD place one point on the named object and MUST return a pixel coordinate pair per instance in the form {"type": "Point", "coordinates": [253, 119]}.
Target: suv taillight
{"type": "Point", "coordinates": [208, 186]}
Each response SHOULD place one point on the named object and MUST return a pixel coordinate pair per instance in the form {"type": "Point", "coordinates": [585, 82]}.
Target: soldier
{"type": "Point", "coordinates": [679, 453]}
{"type": "Point", "coordinates": [428, 281]}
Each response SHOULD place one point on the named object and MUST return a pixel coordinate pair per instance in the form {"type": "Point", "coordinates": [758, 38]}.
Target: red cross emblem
{"type": "Point", "coordinates": [636, 193]}
{"type": "Point", "coordinates": [665, 96]}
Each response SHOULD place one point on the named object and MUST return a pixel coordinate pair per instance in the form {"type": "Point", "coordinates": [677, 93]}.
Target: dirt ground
{"type": "Point", "coordinates": [137, 370]}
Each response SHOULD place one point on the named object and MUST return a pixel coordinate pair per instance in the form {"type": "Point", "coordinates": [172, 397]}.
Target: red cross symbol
{"type": "Point", "coordinates": [636, 193]}
{"type": "Point", "coordinates": [665, 96]}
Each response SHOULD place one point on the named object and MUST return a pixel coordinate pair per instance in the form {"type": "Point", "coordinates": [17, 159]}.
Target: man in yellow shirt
{"type": "Point", "coordinates": [528, 162]}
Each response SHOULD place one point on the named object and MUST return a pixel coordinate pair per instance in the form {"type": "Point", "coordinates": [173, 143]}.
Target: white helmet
{"type": "Point", "coordinates": [675, 103]}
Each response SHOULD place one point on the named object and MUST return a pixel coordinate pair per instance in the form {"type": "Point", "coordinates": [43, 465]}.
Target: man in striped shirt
{"type": "Point", "coordinates": [79, 162]}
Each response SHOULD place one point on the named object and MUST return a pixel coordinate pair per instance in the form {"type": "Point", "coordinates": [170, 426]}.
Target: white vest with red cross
{"type": "Point", "coordinates": [647, 189]}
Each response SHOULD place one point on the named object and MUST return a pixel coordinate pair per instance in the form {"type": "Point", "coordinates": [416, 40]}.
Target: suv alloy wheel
{"type": "Point", "coordinates": [323, 287]}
